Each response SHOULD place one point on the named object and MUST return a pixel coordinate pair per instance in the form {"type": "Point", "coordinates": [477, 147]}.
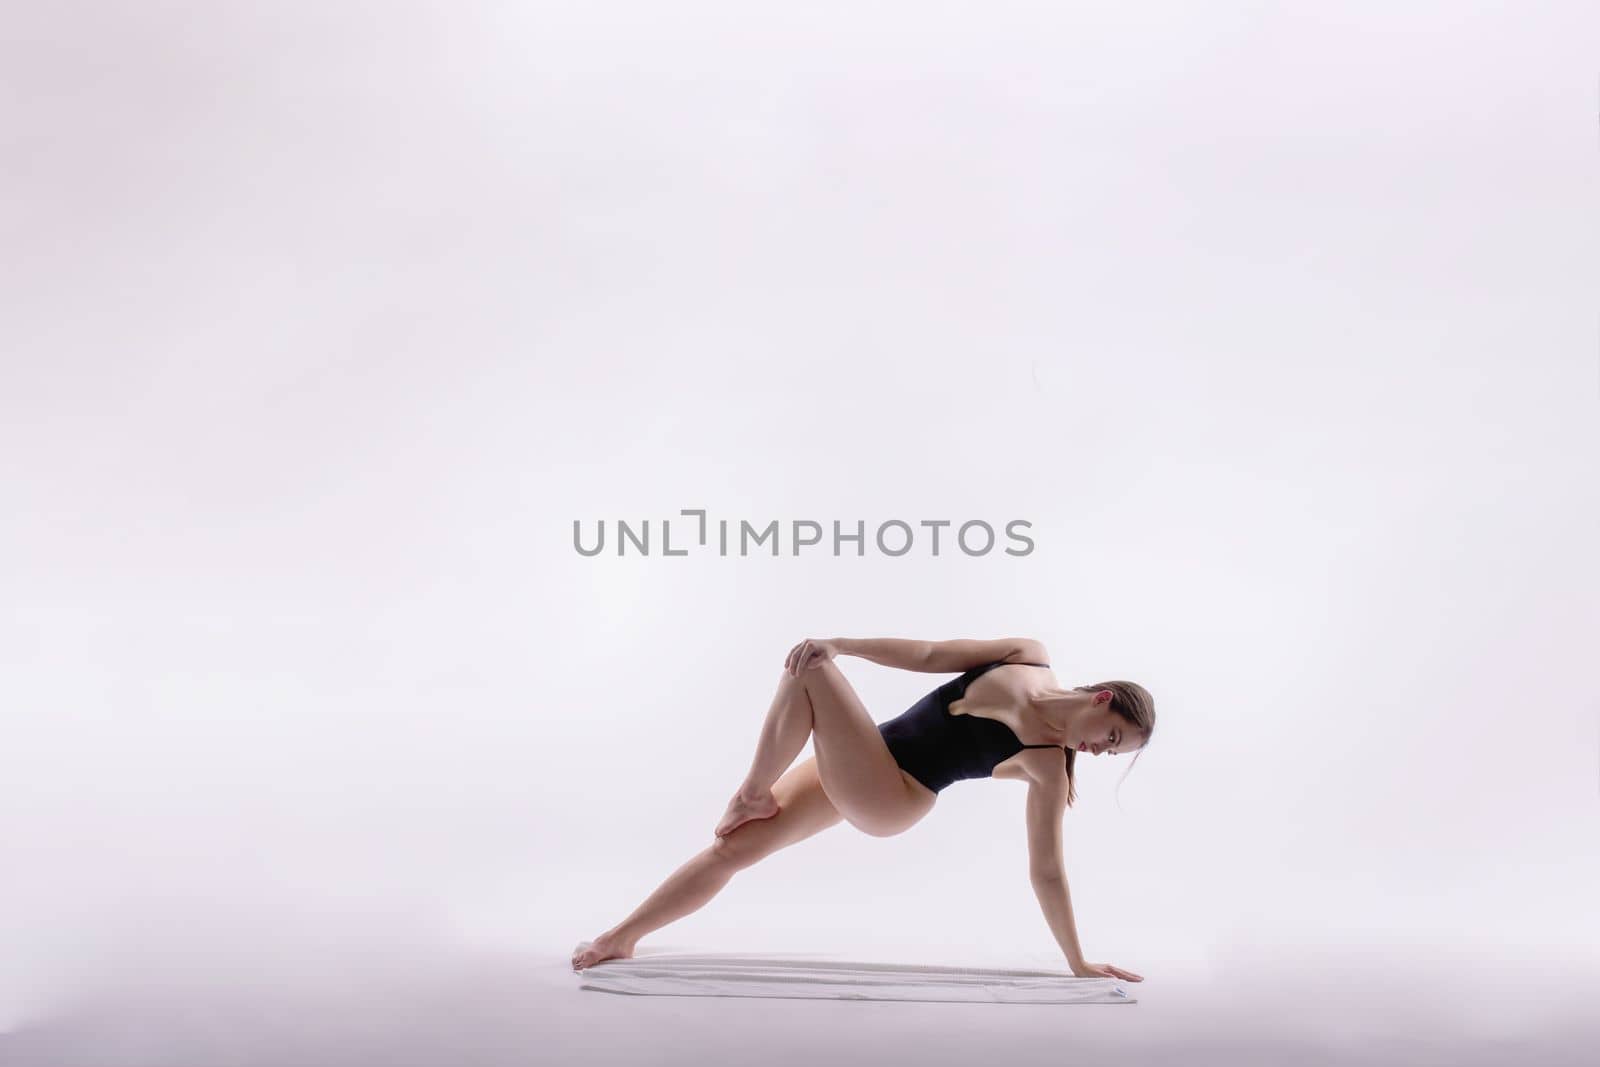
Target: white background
{"type": "Point", "coordinates": [324, 323]}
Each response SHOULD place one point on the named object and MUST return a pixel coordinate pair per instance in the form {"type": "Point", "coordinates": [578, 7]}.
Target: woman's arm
{"type": "Point", "coordinates": [1047, 803]}
{"type": "Point", "coordinates": [1056, 902]}
{"type": "Point", "coordinates": [939, 657]}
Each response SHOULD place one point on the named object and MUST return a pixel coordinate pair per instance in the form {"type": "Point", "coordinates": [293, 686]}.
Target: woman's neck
{"type": "Point", "coordinates": [1060, 709]}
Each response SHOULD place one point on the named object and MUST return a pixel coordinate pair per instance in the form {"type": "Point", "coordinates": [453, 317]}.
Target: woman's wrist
{"type": "Point", "coordinates": [847, 646]}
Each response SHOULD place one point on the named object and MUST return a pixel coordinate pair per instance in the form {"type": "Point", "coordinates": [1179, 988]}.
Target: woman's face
{"type": "Point", "coordinates": [1102, 731]}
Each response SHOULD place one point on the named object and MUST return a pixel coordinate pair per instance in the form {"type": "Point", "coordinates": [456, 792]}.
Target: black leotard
{"type": "Point", "coordinates": [938, 748]}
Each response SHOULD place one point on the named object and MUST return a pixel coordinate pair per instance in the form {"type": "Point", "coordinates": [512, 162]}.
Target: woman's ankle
{"type": "Point", "coordinates": [751, 793]}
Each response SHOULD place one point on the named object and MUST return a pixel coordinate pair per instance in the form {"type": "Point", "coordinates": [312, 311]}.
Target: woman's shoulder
{"type": "Point", "coordinates": [1028, 650]}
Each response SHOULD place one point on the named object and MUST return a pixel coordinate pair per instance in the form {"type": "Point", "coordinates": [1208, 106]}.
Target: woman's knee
{"type": "Point", "coordinates": [736, 850]}
{"type": "Point", "coordinates": [823, 673]}
{"type": "Point", "coordinates": [793, 686]}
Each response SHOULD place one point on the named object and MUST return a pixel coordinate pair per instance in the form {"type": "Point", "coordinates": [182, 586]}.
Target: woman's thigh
{"type": "Point", "coordinates": [865, 783]}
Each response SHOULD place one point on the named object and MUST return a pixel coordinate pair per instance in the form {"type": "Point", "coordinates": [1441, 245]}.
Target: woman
{"type": "Point", "coordinates": [883, 779]}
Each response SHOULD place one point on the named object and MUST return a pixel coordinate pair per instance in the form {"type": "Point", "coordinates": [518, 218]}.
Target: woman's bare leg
{"type": "Point", "coordinates": [783, 735]}
{"type": "Point", "coordinates": [804, 810]}
{"type": "Point", "coordinates": [861, 775]}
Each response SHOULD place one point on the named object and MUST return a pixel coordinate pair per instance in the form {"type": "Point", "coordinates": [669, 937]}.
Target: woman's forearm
{"type": "Point", "coordinates": [908, 655]}
{"type": "Point", "coordinates": [1056, 902]}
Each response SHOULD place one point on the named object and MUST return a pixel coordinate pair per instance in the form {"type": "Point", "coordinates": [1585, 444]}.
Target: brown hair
{"type": "Point", "coordinates": [1134, 704]}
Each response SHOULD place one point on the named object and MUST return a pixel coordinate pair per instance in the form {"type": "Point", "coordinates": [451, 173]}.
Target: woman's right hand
{"type": "Point", "coordinates": [1085, 969]}
{"type": "Point", "coordinates": [809, 653]}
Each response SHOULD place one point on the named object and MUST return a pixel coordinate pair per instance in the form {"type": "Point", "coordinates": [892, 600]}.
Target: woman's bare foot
{"type": "Point", "coordinates": [744, 807]}
{"type": "Point", "coordinates": [607, 946]}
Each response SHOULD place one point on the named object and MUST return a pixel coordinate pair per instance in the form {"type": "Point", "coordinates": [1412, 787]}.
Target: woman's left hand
{"type": "Point", "coordinates": [1086, 969]}
{"type": "Point", "coordinates": [809, 653]}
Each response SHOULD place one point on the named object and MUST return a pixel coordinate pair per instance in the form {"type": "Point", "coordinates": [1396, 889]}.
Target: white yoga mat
{"type": "Point", "coordinates": [814, 978]}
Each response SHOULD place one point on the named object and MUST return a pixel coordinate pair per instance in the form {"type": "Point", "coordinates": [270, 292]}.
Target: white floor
{"type": "Point", "coordinates": [525, 1008]}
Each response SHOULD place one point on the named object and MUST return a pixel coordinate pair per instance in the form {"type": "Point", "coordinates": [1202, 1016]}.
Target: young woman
{"type": "Point", "coordinates": [1001, 718]}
